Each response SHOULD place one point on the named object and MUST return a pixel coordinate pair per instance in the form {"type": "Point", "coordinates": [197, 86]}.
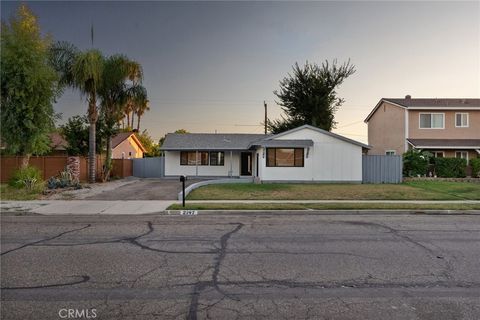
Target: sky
{"type": "Point", "coordinates": [208, 66]}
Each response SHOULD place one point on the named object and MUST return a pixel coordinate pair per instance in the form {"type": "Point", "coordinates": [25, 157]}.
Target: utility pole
{"type": "Point", "coordinates": [266, 118]}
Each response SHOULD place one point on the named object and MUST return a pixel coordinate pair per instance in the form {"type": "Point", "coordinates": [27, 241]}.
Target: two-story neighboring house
{"type": "Point", "coordinates": [445, 127]}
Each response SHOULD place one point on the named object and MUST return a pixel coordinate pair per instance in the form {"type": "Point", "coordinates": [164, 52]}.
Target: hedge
{"type": "Point", "coordinates": [450, 167]}
{"type": "Point", "coordinates": [475, 164]}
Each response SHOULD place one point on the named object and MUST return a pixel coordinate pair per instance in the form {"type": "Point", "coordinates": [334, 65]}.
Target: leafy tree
{"type": "Point", "coordinates": [309, 95]}
{"type": "Point", "coordinates": [76, 131]}
{"type": "Point", "coordinates": [147, 141]}
{"type": "Point", "coordinates": [29, 86]}
{"type": "Point", "coordinates": [83, 71]}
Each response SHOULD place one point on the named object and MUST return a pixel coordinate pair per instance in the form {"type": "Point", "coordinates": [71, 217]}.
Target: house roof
{"type": "Point", "coordinates": [122, 136]}
{"type": "Point", "coordinates": [331, 134]}
{"type": "Point", "coordinates": [209, 141]}
{"type": "Point", "coordinates": [429, 103]}
{"type": "Point", "coordinates": [58, 142]}
{"type": "Point", "coordinates": [445, 143]}
{"type": "Point", "coordinates": [241, 141]}
{"type": "Point", "coordinates": [283, 143]}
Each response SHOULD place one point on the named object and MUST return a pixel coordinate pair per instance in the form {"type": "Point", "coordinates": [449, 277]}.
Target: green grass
{"type": "Point", "coordinates": [11, 193]}
{"type": "Point", "coordinates": [424, 190]}
{"type": "Point", "coordinates": [324, 206]}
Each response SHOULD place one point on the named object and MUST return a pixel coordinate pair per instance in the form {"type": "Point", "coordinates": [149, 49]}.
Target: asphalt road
{"type": "Point", "coordinates": [241, 266]}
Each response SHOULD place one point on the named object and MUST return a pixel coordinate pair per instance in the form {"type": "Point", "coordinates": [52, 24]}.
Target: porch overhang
{"type": "Point", "coordinates": [283, 143]}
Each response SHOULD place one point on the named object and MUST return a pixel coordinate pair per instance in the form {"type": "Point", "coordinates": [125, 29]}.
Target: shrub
{"type": "Point", "coordinates": [475, 163]}
{"type": "Point", "coordinates": [28, 177]}
{"type": "Point", "coordinates": [64, 180]}
{"type": "Point", "coordinates": [450, 167]}
{"type": "Point", "coordinates": [415, 162]}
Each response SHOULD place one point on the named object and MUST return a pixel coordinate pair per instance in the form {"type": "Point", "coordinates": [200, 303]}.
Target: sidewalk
{"type": "Point", "coordinates": [92, 207]}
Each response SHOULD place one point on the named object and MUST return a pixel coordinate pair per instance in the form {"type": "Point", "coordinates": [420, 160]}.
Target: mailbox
{"type": "Point", "coordinates": [183, 178]}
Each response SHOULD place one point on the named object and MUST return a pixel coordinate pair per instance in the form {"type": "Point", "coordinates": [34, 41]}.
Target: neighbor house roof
{"type": "Point", "coordinates": [429, 103]}
{"type": "Point", "coordinates": [122, 136]}
{"type": "Point", "coordinates": [209, 141]}
{"type": "Point", "coordinates": [58, 142]}
{"type": "Point", "coordinates": [445, 143]}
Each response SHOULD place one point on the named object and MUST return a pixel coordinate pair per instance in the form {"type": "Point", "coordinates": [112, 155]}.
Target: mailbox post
{"type": "Point", "coordinates": [183, 178]}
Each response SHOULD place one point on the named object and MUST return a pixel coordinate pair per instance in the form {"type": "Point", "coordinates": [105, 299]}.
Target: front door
{"type": "Point", "coordinates": [246, 164]}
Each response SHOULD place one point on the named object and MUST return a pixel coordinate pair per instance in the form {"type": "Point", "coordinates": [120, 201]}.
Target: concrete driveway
{"type": "Point", "coordinates": [144, 189]}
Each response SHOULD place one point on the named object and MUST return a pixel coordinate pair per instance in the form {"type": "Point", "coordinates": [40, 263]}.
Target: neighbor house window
{"type": "Point", "coordinates": [461, 120]}
{"type": "Point", "coordinates": [438, 154]}
{"type": "Point", "coordinates": [390, 152]}
{"type": "Point", "coordinates": [217, 158]}
{"type": "Point", "coordinates": [189, 158]}
{"type": "Point", "coordinates": [432, 120]}
{"type": "Point", "coordinates": [283, 157]}
{"type": "Point", "coordinates": [461, 155]}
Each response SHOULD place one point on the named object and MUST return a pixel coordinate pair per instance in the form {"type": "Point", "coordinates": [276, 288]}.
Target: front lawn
{"type": "Point", "coordinates": [10, 193]}
{"type": "Point", "coordinates": [424, 190]}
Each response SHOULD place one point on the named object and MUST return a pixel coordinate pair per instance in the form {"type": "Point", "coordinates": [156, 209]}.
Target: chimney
{"type": "Point", "coordinates": [408, 96]}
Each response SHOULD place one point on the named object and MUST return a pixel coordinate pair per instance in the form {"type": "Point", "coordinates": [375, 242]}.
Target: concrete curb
{"type": "Point", "coordinates": [196, 185]}
{"type": "Point", "coordinates": [329, 212]}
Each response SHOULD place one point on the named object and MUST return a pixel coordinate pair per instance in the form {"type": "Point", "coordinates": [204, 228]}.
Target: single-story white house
{"type": "Point", "coordinates": [303, 154]}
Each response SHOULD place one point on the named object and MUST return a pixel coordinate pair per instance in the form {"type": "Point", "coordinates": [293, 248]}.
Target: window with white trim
{"type": "Point", "coordinates": [432, 120]}
{"type": "Point", "coordinates": [461, 155]}
{"type": "Point", "coordinates": [461, 120]}
{"type": "Point", "coordinates": [390, 152]}
{"type": "Point", "coordinates": [438, 154]}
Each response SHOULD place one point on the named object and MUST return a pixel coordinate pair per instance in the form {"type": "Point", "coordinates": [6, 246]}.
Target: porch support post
{"type": "Point", "coordinates": [196, 163]}
{"type": "Point", "coordinates": [230, 173]}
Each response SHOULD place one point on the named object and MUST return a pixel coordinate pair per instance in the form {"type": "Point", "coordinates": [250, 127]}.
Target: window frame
{"type": "Point", "coordinates": [198, 160]}
{"type": "Point", "coordinates": [460, 152]}
{"type": "Point", "coordinates": [435, 154]}
{"type": "Point", "coordinates": [431, 114]}
{"type": "Point", "coordinates": [393, 152]}
{"type": "Point", "coordinates": [268, 164]}
{"type": "Point", "coordinates": [468, 119]}
{"type": "Point", "coordinates": [217, 152]}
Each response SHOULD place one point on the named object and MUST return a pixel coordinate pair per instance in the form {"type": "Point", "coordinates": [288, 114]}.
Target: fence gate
{"type": "Point", "coordinates": [381, 169]}
{"type": "Point", "coordinates": [149, 167]}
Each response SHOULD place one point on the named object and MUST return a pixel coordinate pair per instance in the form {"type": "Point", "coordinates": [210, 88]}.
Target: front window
{"type": "Point", "coordinates": [461, 120]}
{"type": "Point", "coordinates": [189, 158]}
{"type": "Point", "coordinates": [285, 157]}
{"type": "Point", "coordinates": [461, 155]}
{"type": "Point", "coordinates": [431, 120]}
{"type": "Point", "coordinates": [438, 154]}
{"type": "Point", "coordinates": [217, 158]}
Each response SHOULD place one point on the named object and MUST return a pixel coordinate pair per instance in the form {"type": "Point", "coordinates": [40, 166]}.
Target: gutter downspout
{"type": "Point", "coordinates": [230, 173]}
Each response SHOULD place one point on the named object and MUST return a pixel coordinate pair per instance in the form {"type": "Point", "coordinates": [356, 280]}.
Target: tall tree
{"type": "Point", "coordinates": [83, 71]}
{"type": "Point", "coordinates": [28, 86]}
{"type": "Point", "coordinates": [308, 96]}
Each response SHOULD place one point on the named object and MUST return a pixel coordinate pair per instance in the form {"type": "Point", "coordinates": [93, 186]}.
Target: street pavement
{"type": "Point", "coordinates": [241, 266]}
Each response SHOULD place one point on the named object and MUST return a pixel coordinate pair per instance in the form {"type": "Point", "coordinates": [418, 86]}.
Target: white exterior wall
{"type": "Point", "coordinates": [173, 167]}
{"type": "Point", "coordinates": [329, 159]}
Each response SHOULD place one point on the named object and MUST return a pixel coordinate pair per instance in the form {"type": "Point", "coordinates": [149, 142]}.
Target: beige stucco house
{"type": "Point", "coordinates": [445, 127]}
{"type": "Point", "coordinates": [126, 145]}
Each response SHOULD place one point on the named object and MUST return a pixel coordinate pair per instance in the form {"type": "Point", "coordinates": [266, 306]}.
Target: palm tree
{"type": "Point", "coordinates": [142, 107]}
{"type": "Point", "coordinates": [116, 90]}
{"type": "Point", "coordinates": [83, 71]}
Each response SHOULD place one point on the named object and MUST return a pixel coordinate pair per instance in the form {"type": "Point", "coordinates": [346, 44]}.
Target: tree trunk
{"type": "Point", "coordinates": [108, 160]}
{"type": "Point", "coordinates": [128, 118]}
{"type": "Point", "coordinates": [25, 160]}
{"type": "Point", "coordinates": [133, 116]}
{"type": "Point", "coordinates": [138, 123]}
{"type": "Point", "coordinates": [92, 119]}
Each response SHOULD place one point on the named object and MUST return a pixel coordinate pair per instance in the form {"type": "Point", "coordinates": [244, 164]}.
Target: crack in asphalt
{"type": "Point", "coordinates": [83, 280]}
{"type": "Point", "coordinates": [46, 239]}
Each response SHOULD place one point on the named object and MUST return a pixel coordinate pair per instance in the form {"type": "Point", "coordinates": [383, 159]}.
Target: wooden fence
{"type": "Point", "coordinates": [51, 166]}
